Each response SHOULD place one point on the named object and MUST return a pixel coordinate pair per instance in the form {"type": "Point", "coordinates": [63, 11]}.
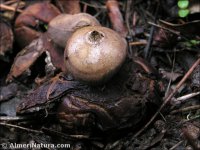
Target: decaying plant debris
{"type": "Point", "coordinates": [152, 101]}
{"type": "Point", "coordinates": [6, 38]}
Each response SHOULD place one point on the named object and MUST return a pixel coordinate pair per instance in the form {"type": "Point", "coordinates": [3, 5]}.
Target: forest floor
{"type": "Point", "coordinates": [163, 38]}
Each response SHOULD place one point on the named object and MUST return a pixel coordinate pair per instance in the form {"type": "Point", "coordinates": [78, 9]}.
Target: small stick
{"type": "Point", "coordinates": [94, 6]}
{"type": "Point", "coordinates": [128, 14]}
{"type": "Point", "coordinates": [186, 109]}
{"type": "Point", "coordinates": [9, 118]}
{"type": "Point", "coordinates": [138, 43]}
{"type": "Point", "coordinates": [168, 98]}
{"type": "Point", "coordinates": [66, 136]}
{"type": "Point", "coordinates": [19, 127]}
{"type": "Point", "coordinates": [147, 49]}
{"type": "Point", "coordinates": [5, 7]}
{"type": "Point", "coordinates": [170, 81]}
{"type": "Point", "coordinates": [192, 119]}
{"type": "Point", "coordinates": [185, 97]}
{"type": "Point", "coordinates": [15, 11]}
{"type": "Point", "coordinates": [164, 28]}
{"type": "Point", "coordinates": [176, 145]}
{"type": "Point", "coordinates": [10, 2]}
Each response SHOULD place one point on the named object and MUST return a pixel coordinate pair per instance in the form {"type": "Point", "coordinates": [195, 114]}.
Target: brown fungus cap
{"type": "Point", "coordinates": [94, 53]}
{"type": "Point", "coordinates": [61, 27]}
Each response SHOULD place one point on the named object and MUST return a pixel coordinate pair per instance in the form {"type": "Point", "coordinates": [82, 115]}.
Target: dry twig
{"type": "Point", "coordinates": [9, 118]}
{"type": "Point", "coordinates": [137, 43]}
{"type": "Point", "coordinates": [185, 97]}
{"type": "Point", "coordinates": [186, 109]}
{"type": "Point", "coordinates": [176, 145]}
{"type": "Point", "coordinates": [168, 98]}
{"type": "Point", "coordinates": [19, 127]}
{"type": "Point", "coordinates": [5, 7]}
{"type": "Point", "coordinates": [147, 50]}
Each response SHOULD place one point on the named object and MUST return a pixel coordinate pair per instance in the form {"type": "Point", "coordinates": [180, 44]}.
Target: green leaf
{"type": "Point", "coordinates": [195, 42]}
{"type": "Point", "coordinates": [183, 4]}
{"type": "Point", "coordinates": [191, 43]}
{"type": "Point", "coordinates": [183, 13]}
{"type": "Point", "coordinates": [46, 26]}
